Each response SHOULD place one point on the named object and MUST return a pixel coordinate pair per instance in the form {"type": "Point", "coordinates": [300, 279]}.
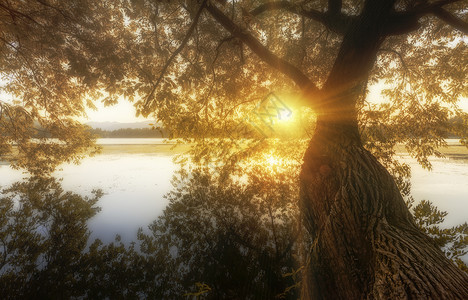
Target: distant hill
{"type": "Point", "coordinates": [110, 126]}
{"type": "Point", "coordinates": [126, 130]}
{"type": "Point", "coordinates": [130, 133]}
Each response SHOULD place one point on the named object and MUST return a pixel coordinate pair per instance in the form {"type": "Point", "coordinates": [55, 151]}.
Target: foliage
{"type": "Point", "coordinates": [238, 235]}
{"type": "Point", "coordinates": [46, 252]}
{"type": "Point", "coordinates": [53, 65]}
{"type": "Point", "coordinates": [453, 241]}
{"type": "Point", "coordinates": [43, 235]}
{"type": "Point", "coordinates": [231, 236]}
{"type": "Point", "coordinates": [23, 147]}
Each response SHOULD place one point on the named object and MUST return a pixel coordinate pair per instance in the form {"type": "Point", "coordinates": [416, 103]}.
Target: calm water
{"type": "Point", "coordinates": [135, 174]}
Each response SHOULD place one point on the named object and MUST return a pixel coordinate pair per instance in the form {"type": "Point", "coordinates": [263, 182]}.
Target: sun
{"type": "Point", "coordinates": [285, 115]}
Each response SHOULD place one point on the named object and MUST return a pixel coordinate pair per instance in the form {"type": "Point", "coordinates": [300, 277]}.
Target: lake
{"type": "Point", "coordinates": [136, 173]}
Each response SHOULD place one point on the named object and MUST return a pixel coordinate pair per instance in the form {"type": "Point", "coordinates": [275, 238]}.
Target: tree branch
{"type": "Point", "coordinates": [402, 61]}
{"type": "Point", "coordinates": [441, 3]}
{"type": "Point", "coordinates": [60, 11]}
{"type": "Point", "coordinates": [175, 53]}
{"type": "Point", "coordinates": [274, 5]}
{"type": "Point", "coordinates": [287, 6]}
{"type": "Point", "coordinates": [334, 6]}
{"type": "Point", "coordinates": [409, 21]}
{"type": "Point", "coordinates": [266, 55]}
{"type": "Point", "coordinates": [14, 12]}
{"type": "Point", "coordinates": [333, 20]}
{"type": "Point", "coordinates": [451, 19]}
{"type": "Point", "coordinates": [402, 23]}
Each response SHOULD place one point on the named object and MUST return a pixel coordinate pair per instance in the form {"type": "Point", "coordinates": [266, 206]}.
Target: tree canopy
{"type": "Point", "coordinates": [199, 67]}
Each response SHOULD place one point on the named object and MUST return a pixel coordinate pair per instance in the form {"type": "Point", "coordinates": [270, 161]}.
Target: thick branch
{"type": "Point", "coordinates": [406, 22]}
{"type": "Point", "coordinates": [333, 20]}
{"type": "Point", "coordinates": [334, 6]}
{"type": "Point", "coordinates": [441, 3]}
{"type": "Point", "coordinates": [176, 52]}
{"type": "Point", "coordinates": [451, 19]}
{"type": "Point", "coordinates": [274, 5]}
{"type": "Point", "coordinates": [287, 6]}
{"type": "Point", "coordinates": [402, 23]}
{"type": "Point", "coordinates": [266, 55]}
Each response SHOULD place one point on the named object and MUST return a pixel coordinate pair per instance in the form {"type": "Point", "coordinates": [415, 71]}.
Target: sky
{"type": "Point", "coordinates": [124, 112]}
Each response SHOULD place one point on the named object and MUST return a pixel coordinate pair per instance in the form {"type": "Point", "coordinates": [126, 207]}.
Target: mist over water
{"type": "Point", "coordinates": [135, 174]}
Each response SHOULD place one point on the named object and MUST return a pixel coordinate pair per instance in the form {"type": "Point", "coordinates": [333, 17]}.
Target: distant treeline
{"type": "Point", "coordinates": [130, 133]}
{"type": "Point", "coordinates": [455, 124]}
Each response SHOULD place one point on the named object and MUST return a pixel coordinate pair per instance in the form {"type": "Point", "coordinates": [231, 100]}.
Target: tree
{"type": "Point", "coordinates": [364, 242]}
{"type": "Point", "coordinates": [229, 54]}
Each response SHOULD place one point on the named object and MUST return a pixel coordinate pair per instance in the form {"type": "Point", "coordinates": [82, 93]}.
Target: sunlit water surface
{"type": "Point", "coordinates": [135, 174]}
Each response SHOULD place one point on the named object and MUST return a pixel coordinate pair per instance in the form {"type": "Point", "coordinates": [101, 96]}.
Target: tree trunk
{"type": "Point", "coordinates": [363, 241]}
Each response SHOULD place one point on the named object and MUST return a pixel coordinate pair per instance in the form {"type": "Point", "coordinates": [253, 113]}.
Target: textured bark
{"type": "Point", "coordinates": [364, 243]}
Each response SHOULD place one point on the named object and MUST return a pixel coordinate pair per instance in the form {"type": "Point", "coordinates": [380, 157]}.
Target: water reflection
{"type": "Point", "coordinates": [43, 236]}
{"type": "Point", "coordinates": [235, 240]}
{"type": "Point", "coordinates": [238, 239]}
{"type": "Point", "coordinates": [219, 237]}
{"type": "Point", "coordinates": [133, 184]}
